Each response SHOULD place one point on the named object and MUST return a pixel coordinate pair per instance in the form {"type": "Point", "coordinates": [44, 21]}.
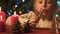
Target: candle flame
{"type": "Point", "coordinates": [14, 13]}
{"type": "Point", "coordinates": [0, 17]}
{"type": "Point", "coordinates": [0, 8]}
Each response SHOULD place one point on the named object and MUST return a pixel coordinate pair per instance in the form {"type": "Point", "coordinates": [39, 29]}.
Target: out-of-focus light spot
{"type": "Point", "coordinates": [59, 9]}
{"type": "Point", "coordinates": [11, 11]}
{"type": "Point", "coordinates": [8, 12]}
{"type": "Point", "coordinates": [16, 6]}
{"type": "Point", "coordinates": [20, 12]}
{"type": "Point", "coordinates": [28, 10]}
{"type": "Point", "coordinates": [58, 2]}
{"type": "Point", "coordinates": [14, 12]}
{"type": "Point", "coordinates": [23, 0]}
{"type": "Point", "coordinates": [17, 3]}
{"type": "Point", "coordinates": [57, 15]}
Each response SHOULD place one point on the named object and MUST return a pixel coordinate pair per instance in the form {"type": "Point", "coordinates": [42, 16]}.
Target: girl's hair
{"type": "Point", "coordinates": [32, 3]}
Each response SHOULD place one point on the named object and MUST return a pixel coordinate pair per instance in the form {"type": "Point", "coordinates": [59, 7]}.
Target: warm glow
{"type": "Point", "coordinates": [14, 13]}
{"type": "Point", "coordinates": [0, 17]}
{"type": "Point", "coordinates": [0, 9]}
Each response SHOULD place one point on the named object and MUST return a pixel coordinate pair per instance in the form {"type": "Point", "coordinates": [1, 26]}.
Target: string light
{"type": "Point", "coordinates": [28, 10]}
{"type": "Point", "coordinates": [10, 11]}
{"type": "Point", "coordinates": [20, 12]}
{"type": "Point", "coordinates": [17, 3]}
{"type": "Point", "coordinates": [58, 2]}
{"type": "Point", "coordinates": [56, 15]}
{"type": "Point", "coordinates": [16, 6]}
{"type": "Point", "coordinates": [23, 0]}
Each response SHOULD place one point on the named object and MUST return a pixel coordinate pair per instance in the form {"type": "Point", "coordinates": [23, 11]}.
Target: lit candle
{"type": "Point", "coordinates": [14, 18]}
{"type": "Point", "coordinates": [0, 8]}
{"type": "Point", "coordinates": [14, 13]}
{"type": "Point", "coordinates": [1, 18]}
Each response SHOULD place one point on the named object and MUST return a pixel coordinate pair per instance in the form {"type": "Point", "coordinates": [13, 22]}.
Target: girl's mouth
{"type": "Point", "coordinates": [44, 12]}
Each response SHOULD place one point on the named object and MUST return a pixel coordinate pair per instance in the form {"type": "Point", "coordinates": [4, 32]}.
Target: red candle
{"type": "Point", "coordinates": [2, 21]}
{"type": "Point", "coordinates": [14, 19]}
{"type": "Point", "coordinates": [2, 16]}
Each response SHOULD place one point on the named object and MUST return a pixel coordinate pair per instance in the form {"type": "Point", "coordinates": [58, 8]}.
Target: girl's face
{"type": "Point", "coordinates": [44, 7]}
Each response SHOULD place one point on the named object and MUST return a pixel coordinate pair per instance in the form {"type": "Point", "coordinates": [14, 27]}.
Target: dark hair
{"type": "Point", "coordinates": [32, 3]}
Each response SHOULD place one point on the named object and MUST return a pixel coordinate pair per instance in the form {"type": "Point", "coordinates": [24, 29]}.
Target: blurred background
{"type": "Point", "coordinates": [21, 6]}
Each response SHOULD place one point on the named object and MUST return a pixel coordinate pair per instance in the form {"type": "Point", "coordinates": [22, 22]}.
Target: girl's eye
{"type": "Point", "coordinates": [40, 2]}
{"type": "Point", "coordinates": [49, 2]}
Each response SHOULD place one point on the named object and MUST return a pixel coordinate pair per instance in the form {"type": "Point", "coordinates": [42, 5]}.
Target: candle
{"type": "Point", "coordinates": [1, 18]}
{"type": "Point", "coordinates": [14, 18]}
{"type": "Point", "coordinates": [0, 9]}
{"type": "Point", "coordinates": [14, 13]}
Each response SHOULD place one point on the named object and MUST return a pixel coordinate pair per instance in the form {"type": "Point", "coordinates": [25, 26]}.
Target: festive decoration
{"type": "Point", "coordinates": [16, 28]}
{"type": "Point", "coordinates": [58, 2]}
{"type": "Point", "coordinates": [23, 0]}
{"type": "Point", "coordinates": [16, 6]}
{"type": "Point", "coordinates": [27, 27]}
{"type": "Point", "coordinates": [14, 18]}
{"type": "Point", "coordinates": [2, 20]}
{"type": "Point", "coordinates": [57, 15]}
{"type": "Point", "coordinates": [9, 12]}
{"type": "Point", "coordinates": [19, 4]}
{"type": "Point", "coordinates": [2, 15]}
{"type": "Point", "coordinates": [28, 10]}
{"type": "Point", "coordinates": [20, 12]}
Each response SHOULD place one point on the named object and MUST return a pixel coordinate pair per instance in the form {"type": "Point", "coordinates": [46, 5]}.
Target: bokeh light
{"type": "Point", "coordinates": [23, 0]}
{"type": "Point", "coordinates": [16, 6]}
{"type": "Point", "coordinates": [58, 2]}
{"type": "Point", "coordinates": [56, 15]}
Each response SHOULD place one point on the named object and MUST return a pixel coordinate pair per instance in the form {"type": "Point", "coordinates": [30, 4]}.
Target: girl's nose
{"type": "Point", "coordinates": [44, 4]}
